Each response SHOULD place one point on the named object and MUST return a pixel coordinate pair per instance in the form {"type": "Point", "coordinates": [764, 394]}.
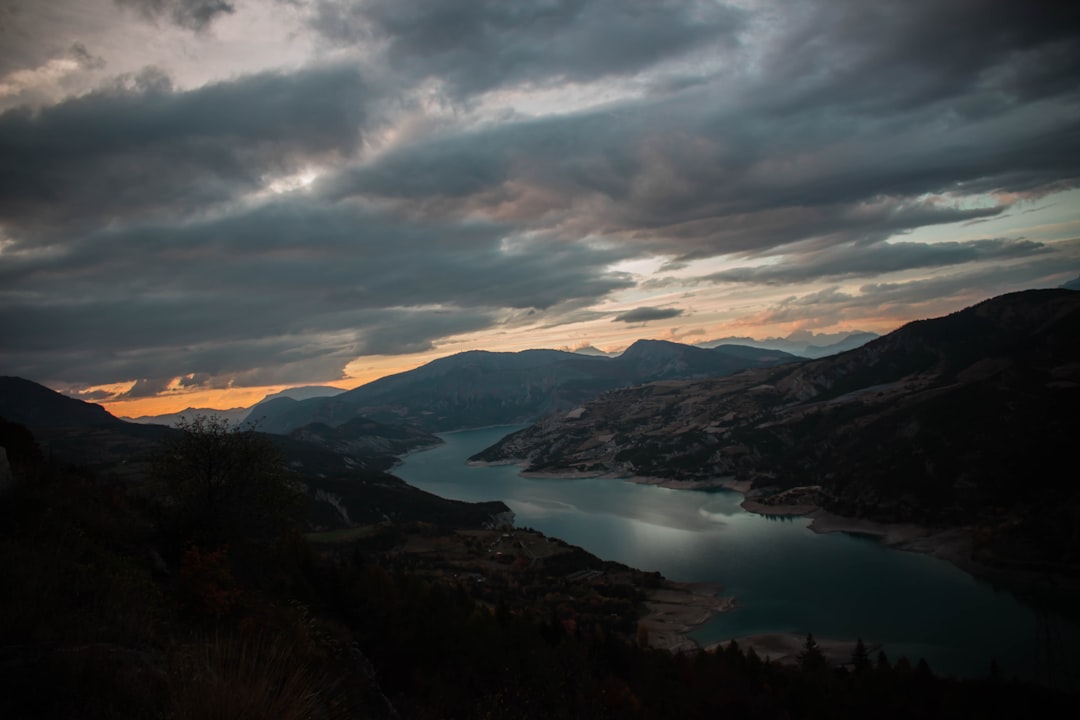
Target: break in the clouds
{"type": "Point", "coordinates": [139, 148]}
{"type": "Point", "coordinates": [398, 178]}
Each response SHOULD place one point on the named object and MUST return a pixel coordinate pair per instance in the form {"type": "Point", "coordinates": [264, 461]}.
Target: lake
{"type": "Point", "coordinates": [786, 578]}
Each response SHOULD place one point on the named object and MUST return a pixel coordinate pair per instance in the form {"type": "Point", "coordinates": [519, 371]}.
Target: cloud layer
{"type": "Point", "coordinates": [437, 170]}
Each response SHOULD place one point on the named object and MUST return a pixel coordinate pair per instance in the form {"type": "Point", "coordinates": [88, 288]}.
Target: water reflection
{"type": "Point", "coordinates": [786, 578]}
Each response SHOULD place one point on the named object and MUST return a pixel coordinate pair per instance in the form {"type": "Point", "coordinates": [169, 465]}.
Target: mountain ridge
{"type": "Point", "coordinates": [933, 423]}
{"type": "Point", "coordinates": [478, 387]}
{"type": "Point", "coordinates": [29, 403]}
{"type": "Point", "coordinates": [809, 345]}
{"type": "Point", "coordinates": [236, 415]}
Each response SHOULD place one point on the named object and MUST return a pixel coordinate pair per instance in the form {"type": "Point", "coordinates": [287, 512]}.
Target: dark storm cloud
{"type": "Point", "coordinates": [673, 179]}
{"type": "Point", "coordinates": [190, 14]}
{"type": "Point", "coordinates": [476, 46]}
{"type": "Point", "coordinates": [141, 148]}
{"type": "Point", "coordinates": [895, 54]}
{"type": "Point", "coordinates": [645, 314]}
{"type": "Point", "coordinates": [839, 133]}
{"type": "Point", "coordinates": [845, 123]}
{"type": "Point", "coordinates": [291, 284]}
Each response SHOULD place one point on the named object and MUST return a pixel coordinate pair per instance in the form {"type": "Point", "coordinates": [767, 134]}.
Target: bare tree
{"type": "Point", "coordinates": [224, 482]}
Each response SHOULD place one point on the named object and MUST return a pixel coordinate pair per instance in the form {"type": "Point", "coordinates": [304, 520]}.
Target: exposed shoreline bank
{"type": "Point", "coordinates": [955, 545]}
{"type": "Point", "coordinates": [677, 609]}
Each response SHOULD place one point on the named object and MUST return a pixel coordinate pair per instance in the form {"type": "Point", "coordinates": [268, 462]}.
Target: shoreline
{"type": "Point", "coordinates": [724, 483]}
{"type": "Point", "coordinates": [954, 545]}
{"type": "Point", "coordinates": [670, 626]}
{"type": "Point", "coordinates": [676, 609]}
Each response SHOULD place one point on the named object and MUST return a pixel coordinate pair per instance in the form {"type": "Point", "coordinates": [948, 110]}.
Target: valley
{"type": "Point", "coordinates": [769, 498]}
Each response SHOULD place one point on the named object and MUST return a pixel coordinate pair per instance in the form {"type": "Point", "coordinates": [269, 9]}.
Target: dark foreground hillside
{"type": "Point", "coordinates": [116, 605]}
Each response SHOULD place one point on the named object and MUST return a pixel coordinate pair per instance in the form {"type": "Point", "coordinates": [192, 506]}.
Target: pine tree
{"type": "Point", "coordinates": [860, 657]}
{"type": "Point", "coordinates": [811, 659]}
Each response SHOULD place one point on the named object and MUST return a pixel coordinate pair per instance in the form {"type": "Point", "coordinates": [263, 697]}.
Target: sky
{"type": "Point", "coordinates": [205, 201]}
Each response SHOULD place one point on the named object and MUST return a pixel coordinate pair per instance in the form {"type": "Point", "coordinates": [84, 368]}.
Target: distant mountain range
{"type": "Point", "coordinates": [804, 344]}
{"type": "Point", "coordinates": [232, 415]}
{"type": "Point", "coordinates": [968, 418]}
{"type": "Point", "coordinates": [478, 388]}
{"type": "Point", "coordinates": [531, 370]}
{"type": "Point", "coordinates": [236, 415]}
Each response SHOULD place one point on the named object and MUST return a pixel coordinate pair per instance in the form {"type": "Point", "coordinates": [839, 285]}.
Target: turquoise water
{"type": "Point", "coordinates": [785, 577]}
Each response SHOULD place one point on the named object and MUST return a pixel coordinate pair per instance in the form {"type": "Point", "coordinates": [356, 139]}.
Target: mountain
{"type": "Point", "coordinates": [79, 432]}
{"type": "Point", "coordinates": [591, 351]}
{"type": "Point", "coordinates": [967, 419]}
{"type": "Point", "coordinates": [236, 416]}
{"type": "Point", "coordinates": [366, 442]}
{"type": "Point", "coordinates": [342, 468]}
{"type": "Point", "coordinates": [232, 416]}
{"type": "Point", "coordinates": [478, 388]}
{"type": "Point", "coordinates": [764, 356]}
{"type": "Point", "coordinates": [29, 403]}
{"type": "Point", "coordinates": [662, 360]}
{"type": "Point", "coordinates": [86, 434]}
{"type": "Point", "coordinates": [805, 344]}
{"type": "Point", "coordinates": [304, 392]}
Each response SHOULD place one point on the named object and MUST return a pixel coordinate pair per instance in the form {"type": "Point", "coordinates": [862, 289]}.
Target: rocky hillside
{"type": "Point", "coordinates": [342, 468]}
{"type": "Point", "coordinates": [375, 444]}
{"type": "Point", "coordinates": [478, 388]}
{"type": "Point", "coordinates": [961, 419]}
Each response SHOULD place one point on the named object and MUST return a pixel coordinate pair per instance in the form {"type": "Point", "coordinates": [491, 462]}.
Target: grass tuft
{"type": "Point", "coordinates": [237, 677]}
